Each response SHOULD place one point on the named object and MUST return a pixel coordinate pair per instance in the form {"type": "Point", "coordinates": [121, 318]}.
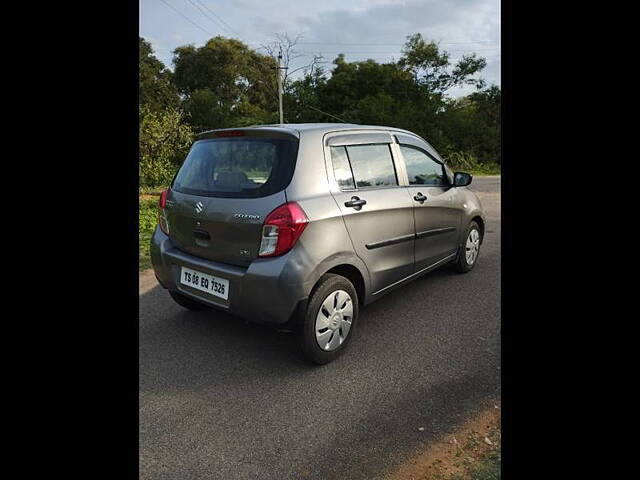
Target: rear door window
{"type": "Point", "coordinates": [341, 168]}
{"type": "Point", "coordinates": [237, 167]}
{"type": "Point", "coordinates": [372, 165]}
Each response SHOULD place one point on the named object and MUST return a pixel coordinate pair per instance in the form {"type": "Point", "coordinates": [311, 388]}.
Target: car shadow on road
{"type": "Point", "coordinates": [181, 346]}
{"type": "Point", "coordinates": [181, 349]}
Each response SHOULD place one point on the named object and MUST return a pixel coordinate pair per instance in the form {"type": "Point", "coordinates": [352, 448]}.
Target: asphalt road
{"type": "Point", "coordinates": [222, 399]}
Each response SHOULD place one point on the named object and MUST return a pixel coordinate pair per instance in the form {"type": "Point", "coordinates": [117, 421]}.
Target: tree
{"type": "Point", "coordinates": [353, 88]}
{"type": "Point", "coordinates": [433, 70]}
{"type": "Point", "coordinates": [488, 117]}
{"type": "Point", "coordinates": [301, 100]}
{"type": "Point", "coordinates": [225, 84]}
{"type": "Point", "coordinates": [156, 90]}
{"type": "Point", "coordinates": [472, 124]}
{"type": "Point", "coordinates": [298, 95]}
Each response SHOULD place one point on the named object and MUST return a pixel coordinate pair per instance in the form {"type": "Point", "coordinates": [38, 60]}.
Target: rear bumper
{"type": "Point", "coordinates": [268, 291]}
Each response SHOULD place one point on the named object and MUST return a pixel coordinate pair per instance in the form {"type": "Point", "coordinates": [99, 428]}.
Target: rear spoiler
{"type": "Point", "coordinates": [254, 132]}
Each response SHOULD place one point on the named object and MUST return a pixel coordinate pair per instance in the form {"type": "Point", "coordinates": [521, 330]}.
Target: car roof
{"type": "Point", "coordinates": [330, 127]}
{"type": "Point", "coordinates": [318, 127]}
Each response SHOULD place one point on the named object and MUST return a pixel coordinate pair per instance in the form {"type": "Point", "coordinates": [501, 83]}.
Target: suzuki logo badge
{"type": "Point", "coordinates": [199, 207]}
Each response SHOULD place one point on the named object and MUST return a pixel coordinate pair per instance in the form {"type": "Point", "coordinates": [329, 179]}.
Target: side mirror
{"type": "Point", "coordinates": [461, 179]}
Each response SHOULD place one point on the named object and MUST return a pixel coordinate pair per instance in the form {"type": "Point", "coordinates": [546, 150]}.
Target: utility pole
{"type": "Point", "coordinates": [280, 86]}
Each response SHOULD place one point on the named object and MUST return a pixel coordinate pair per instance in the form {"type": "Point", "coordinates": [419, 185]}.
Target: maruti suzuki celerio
{"type": "Point", "coordinates": [303, 224]}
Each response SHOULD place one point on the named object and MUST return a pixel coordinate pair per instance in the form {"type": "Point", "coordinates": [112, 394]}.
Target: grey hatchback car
{"type": "Point", "coordinates": [302, 224]}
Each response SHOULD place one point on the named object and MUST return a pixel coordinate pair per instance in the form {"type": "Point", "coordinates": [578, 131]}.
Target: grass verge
{"type": "Point", "coordinates": [472, 452]}
{"type": "Point", "coordinates": [148, 218]}
{"type": "Point", "coordinates": [486, 469]}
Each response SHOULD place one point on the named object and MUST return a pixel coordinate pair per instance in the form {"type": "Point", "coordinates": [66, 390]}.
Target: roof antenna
{"type": "Point", "coordinates": [333, 116]}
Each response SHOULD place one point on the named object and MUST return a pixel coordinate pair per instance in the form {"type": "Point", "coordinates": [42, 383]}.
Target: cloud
{"type": "Point", "coordinates": [461, 26]}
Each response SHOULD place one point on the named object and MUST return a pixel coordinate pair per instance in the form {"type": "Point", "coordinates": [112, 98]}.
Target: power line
{"type": "Point", "coordinates": [346, 52]}
{"type": "Point", "coordinates": [211, 19]}
{"type": "Point", "coordinates": [389, 44]}
{"type": "Point", "coordinates": [220, 18]}
{"type": "Point", "coordinates": [187, 18]}
{"type": "Point", "coordinates": [387, 55]}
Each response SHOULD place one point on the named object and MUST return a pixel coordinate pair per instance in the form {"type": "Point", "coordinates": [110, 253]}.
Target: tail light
{"type": "Point", "coordinates": [281, 229]}
{"type": "Point", "coordinates": [162, 214]}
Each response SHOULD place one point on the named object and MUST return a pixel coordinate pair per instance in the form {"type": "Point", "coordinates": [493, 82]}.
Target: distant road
{"type": "Point", "coordinates": [222, 399]}
{"type": "Point", "coordinates": [489, 184]}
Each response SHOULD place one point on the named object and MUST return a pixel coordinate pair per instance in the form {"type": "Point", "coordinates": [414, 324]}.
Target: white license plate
{"type": "Point", "coordinates": [216, 286]}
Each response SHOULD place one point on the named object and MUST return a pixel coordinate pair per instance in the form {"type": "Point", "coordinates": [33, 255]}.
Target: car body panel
{"type": "Point", "coordinates": [471, 208]}
{"type": "Point", "coordinates": [382, 232]}
{"type": "Point", "coordinates": [227, 230]}
{"type": "Point", "coordinates": [438, 218]}
{"type": "Point", "coordinates": [437, 223]}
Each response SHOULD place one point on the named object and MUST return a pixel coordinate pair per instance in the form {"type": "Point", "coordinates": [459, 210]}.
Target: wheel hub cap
{"type": "Point", "coordinates": [472, 246]}
{"type": "Point", "coordinates": [333, 320]}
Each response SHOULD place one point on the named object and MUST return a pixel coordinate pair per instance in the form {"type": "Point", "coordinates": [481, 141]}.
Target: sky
{"type": "Point", "coordinates": [360, 29]}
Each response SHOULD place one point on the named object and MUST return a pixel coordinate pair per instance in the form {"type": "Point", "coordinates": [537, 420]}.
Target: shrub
{"type": "Point", "coordinates": [459, 160]}
{"type": "Point", "coordinates": [164, 141]}
{"type": "Point", "coordinates": [467, 162]}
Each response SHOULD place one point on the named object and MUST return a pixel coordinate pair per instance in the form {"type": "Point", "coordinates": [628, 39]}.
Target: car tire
{"type": "Point", "coordinates": [472, 240]}
{"type": "Point", "coordinates": [328, 326]}
{"type": "Point", "coordinates": [186, 302]}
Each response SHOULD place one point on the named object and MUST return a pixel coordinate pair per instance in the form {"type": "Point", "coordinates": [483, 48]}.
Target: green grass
{"type": "Point", "coordinates": [487, 469]}
{"type": "Point", "coordinates": [147, 220]}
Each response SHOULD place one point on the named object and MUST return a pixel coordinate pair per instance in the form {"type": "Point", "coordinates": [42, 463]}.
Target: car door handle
{"type": "Point", "coordinates": [419, 197]}
{"type": "Point", "coordinates": [355, 202]}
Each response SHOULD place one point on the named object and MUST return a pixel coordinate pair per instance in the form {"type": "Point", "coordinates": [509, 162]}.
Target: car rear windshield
{"type": "Point", "coordinates": [237, 167]}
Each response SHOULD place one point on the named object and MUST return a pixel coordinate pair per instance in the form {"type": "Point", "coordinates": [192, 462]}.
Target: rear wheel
{"type": "Point", "coordinates": [470, 249]}
{"type": "Point", "coordinates": [186, 302]}
{"type": "Point", "coordinates": [329, 321]}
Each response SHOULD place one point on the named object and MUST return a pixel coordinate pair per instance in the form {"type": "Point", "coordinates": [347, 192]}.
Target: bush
{"type": "Point", "coordinates": [467, 162]}
{"type": "Point", "coordinates": [461, 160]}
{"type": "Point", "coordinates": [164, 141]}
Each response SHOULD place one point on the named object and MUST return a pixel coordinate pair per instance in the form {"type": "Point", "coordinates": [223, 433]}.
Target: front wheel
{"type": "Point", "coordinates": [330, 319]}
{"type": "Point", "coordinates": [470, 249]}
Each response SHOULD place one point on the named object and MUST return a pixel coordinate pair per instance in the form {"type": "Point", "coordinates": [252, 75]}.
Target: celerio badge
{"type": "Point", "coordinates": [244, 216]}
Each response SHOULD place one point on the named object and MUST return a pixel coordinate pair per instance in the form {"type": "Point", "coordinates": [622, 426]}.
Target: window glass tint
{"type": "Point", "coordinates": [237, 167]}
{"type": "Point", "coordinates": [422, 169]}
{"type": "Point", "coordinates": [341, 168]}
{"type": "Point", "coordinates": [372, 165]}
